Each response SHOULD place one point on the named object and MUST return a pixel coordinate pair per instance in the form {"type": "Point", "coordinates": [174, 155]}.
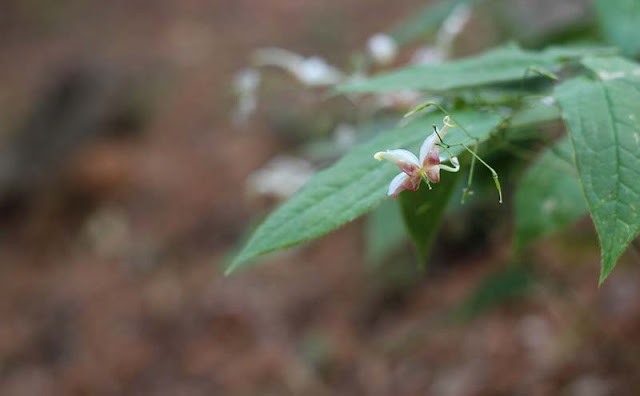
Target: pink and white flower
{"type": "Point", "coordinates": [414, 169]}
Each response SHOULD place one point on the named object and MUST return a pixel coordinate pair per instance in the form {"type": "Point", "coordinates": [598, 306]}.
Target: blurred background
{"type": "Point", "coordinates": [126, 187]}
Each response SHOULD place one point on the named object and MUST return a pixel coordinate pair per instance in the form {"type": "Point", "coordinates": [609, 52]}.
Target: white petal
{"type": "Point", "coordinates": [246, 81]}
{"type": "Point", "coordinates": [453, 160]}
{"type": "Point", "coordinates": [428, 144]}
{"type": "Point", "coordinates": [434, 138]}
{"type": "Point", "coordinates": [456, 20]}
{"type": "Point", "coordinates": [382, 48]}
{"type": "Point", "coordinates": [428, 55]}
{"type": "Point", "coordinates": [310, 71]}
{"type": "Point", "coordinates": [278, 57]}
{"type": "Point", "coordinates": [316, 71]}
{"type": "Point", "coordinates": [548, 101]}
{"type": "Point", "coordinates": [454, 168]}
{"type": "Point", "coordinates": [397, 182]}
{"type": "Point", "coordinates": [399, 157]}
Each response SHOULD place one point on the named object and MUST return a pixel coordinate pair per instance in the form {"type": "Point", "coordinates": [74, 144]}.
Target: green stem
{"type": "Point", "coordinates": [494, 174]}
{"type": "Point", "coordinates": [437, 105]}
{"type": "Point", "coordinates": [467, 189]}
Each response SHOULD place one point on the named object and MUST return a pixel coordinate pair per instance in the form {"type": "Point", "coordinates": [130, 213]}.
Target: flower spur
{"type": "Point", "coordinates": [414, 169]}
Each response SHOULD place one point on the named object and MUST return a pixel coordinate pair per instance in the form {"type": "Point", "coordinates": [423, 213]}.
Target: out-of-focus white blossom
{"type": "Point", "coordinates": [344, 136]}
{"type": "Point", "coordinates": [455, 22]}
{"type": "Point", "coordinates": [400, 100]}
{"type": "Point", "coordinates": [452, 27]}
{"type": "Point", "coordinates": [382, 48]}
{"type": "Point", "coordinates": [428, 55]}
{"type": "Point", "coordinates": [312, 71]}
{"type": "Point", "coordinates": [245, 86]}
{"type": "Point", "coordinates": [245, 107]}
{"type": "Point", "coordinates": [316, 71]}
{"type": "Point", "coordinates": [246, 81]}
{"type": "Point", "coordinates": [549, 101]}
{"type": "Point", "coordinates": [281, 177]}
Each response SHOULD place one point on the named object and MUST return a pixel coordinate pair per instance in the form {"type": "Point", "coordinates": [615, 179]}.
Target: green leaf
{"type": "Point", "coordinates": [502, 64]}
{"type": "Point", "coordinates": [613, 68]}
{"type": "Point", "coordinates": [352, 186]}
{"type": "Point", "coordinates": [533, 116]}
{"type": "Point", "coordinates": [385, 232]}
{"type": "Point", "coordinates": [549, 196]}
{"type": "Point", "coordinates": [603, 118]}
{"type": "Point", "coordinates": [424, 209]}
{"type": "Point", "coordinates": [619, 21]}
{"type": "Point", "coordinates": [495, 95]}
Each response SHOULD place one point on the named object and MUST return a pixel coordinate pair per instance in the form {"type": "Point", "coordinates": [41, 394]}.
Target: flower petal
{"type": "Point", "coordinates": [454, 168]}
{"type": "Point", "coordinates": [427, 146]}
{"type": "Point", "coordinates": [382, 48]}
{"type": "Point", "coordinates": [405, 160]}
{"type": "Point", "coordinates": [316, 71]}
{"type": "Point", "coordinates": [433, 173]}
{"type": "Point", "coordinates": [432, 140]}
{"type": "Point", "coordinates": [433, 158]}
{"type": "Point", "coordinates": [396, 185]}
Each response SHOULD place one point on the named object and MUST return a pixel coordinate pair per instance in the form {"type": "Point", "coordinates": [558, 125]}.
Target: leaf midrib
{"type": "Point", "coordinates": [617, 160]}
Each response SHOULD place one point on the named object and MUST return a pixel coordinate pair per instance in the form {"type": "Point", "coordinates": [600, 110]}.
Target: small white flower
{"type": "Point", "coordinates": [400, 100]}
{"type": "Point", "coordinates": [245, 107]}
{"type": "Point", "coordinates": [280, 178]}
{"type": "Point", "coordinates": [455, 22]}
{"type": "Point", "coordinates": [345, 136]}
{"type": "Point", "coordinates": [312, 71]}
{"type": "Point", "coordinates": [428, 55]}
{"type": "Point", "coordinates": [382, 48]}
{"type": "Point", "coordinates": [451, 28]}
{"type": "Point", "coordinates": [245, 85]}
{"type": "Point", "coordinates": [316, 71]}
{"type": "Point", "coordinates": [441, 49]}
{"type": "Point", "coordinates": [246, 81]}
{"type": "Point", "coordinates": [549, 101]}
{"type": "Point", "coordinates": [414, 169]}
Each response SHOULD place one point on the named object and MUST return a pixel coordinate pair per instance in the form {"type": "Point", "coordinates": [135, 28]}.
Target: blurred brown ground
{"type": "Point", "coordinates": [111, 258]}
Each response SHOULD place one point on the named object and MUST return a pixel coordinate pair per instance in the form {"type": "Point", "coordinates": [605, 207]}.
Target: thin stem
{"type": "Point", "coordinates": [467, 190]}
{"type": "Point", "coordinates": [541, 72]}
{"type": "Point", "coordinates": [426, 180]}
{"type": "Point", "coordinates": [437, 105]}
{"type": "Point", "coordinates": [435, 129]}
{"type": "Point", "coordinates": [538, 71]}
{"type": "Point", "coordinates": [494, 174]}
{"type": "Point", "coordinates": [446, 148]}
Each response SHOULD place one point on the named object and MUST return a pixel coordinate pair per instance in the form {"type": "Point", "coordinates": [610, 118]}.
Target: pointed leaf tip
{"type": "Point", "coordinates": [603, 120]}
